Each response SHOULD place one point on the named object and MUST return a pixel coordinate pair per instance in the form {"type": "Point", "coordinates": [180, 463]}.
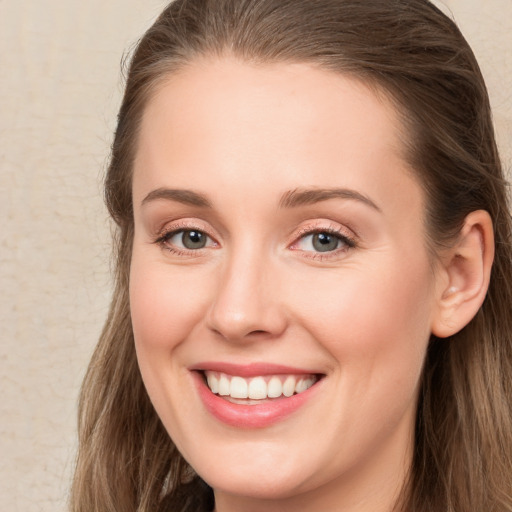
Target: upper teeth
{"type": "Point", "coordinates": [257, 388]}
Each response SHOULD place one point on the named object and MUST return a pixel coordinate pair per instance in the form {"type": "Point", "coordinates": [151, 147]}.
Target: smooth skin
{"type": "Point", "coordinates": [227, 266]}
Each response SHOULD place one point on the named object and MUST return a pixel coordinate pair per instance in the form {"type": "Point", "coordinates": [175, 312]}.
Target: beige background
{"type": "Point", "coordinates": [59, 90]}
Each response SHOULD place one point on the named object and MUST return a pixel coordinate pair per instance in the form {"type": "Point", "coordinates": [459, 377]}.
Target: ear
{"type": "Point", "coordinates": [464, 276]}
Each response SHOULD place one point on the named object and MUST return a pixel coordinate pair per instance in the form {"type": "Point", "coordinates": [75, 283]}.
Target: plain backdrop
{"type": "Point", "coordinates": [60, 87]}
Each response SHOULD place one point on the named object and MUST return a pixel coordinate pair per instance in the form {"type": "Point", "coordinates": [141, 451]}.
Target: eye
{"type": "Point", "coordinates": [323, 241]}
{"type": "Point", "coordinates": [188, 239]}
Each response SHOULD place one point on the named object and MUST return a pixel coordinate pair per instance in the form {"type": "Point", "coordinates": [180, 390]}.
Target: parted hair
{"type": "Point", "coordinates": [411, 52]}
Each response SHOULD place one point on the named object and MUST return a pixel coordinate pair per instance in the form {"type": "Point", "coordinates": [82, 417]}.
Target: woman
{"type": "Point", "coordinates": [312, 304]}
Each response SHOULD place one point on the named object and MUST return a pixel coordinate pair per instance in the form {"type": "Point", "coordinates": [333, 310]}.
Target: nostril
{"type": "Point", "coordinates": [256, 333]}
{"type": "Point", "coordinates": [239, 320]}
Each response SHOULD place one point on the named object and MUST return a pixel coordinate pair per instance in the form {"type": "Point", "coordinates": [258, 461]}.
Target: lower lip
{"type": "Point", "coordinates": [251, 416]}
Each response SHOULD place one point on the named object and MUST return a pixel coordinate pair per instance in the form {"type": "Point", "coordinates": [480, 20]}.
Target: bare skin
{"type": "Point", "coordinates": [235, 262]}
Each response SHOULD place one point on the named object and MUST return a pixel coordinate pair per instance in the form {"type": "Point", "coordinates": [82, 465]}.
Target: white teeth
{"type": "Point", "coordinates": [289, 386]}
{"type": "Point", "coordinates": [257, 388]}
{"type": "Point", "coordinates": [275, 387]}
{"type": "Point", "coordinates": [223, 385]}
{"type": "Point", "coordinates": [301, 386]}
{"type": "Point", "coordinates": [213, 383]}
{"type": "Point", "coordinates": [238, 388]}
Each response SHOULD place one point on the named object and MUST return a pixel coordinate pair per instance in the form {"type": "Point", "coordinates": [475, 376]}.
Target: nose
{"type": "Point", "coordinates": [247, 305]}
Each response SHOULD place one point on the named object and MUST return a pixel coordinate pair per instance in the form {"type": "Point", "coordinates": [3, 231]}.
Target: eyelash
{"type": "Point", "coordinates": [347, 242]}
{"type": "Point", "coordinates": [163, 240]}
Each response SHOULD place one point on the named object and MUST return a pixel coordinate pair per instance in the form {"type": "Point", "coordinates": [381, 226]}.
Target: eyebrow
{"type": "Point", "coordinates": [180, 195]}
{"type": "Point", "coordinates": [300, 197]}
{"type": "Point", "coordinates": [290, 199]}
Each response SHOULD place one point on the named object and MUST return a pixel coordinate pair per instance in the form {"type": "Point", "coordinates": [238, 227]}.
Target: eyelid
{"type": "Point", "coordinates": [345, 234]}
{"type": "Point", "coordinates": [182, 224]}
{"type": "Point", "coordinates": [172, 229]}
{"type": "Point", "coordinates": [327, 226]}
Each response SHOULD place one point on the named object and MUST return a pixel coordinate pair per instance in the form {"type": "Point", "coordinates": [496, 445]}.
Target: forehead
{"type": "Point", "coordinates": [282, 125]}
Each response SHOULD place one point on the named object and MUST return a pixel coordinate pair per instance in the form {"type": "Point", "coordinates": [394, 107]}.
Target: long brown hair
{"type": "Point", "coordinates": [410, 51]}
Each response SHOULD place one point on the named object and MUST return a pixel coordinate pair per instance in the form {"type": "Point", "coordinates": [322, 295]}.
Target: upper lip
{"type": "Point", "coordinates": [251, 369]}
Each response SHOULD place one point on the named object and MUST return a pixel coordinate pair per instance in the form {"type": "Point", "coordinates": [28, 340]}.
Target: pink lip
{"type": "Point", "coordinates": [250, 370]}
{"type": "Point", "coordinates": [251, 416]}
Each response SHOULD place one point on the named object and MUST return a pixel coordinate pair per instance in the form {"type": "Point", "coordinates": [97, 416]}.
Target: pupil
{"type": "Point", "coordinates": [323, 242]}
{"type": "Point", "coordinates": [193, 239]}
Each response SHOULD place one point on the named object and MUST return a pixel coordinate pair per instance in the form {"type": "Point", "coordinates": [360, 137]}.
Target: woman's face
{"type": "Point", "coordinates": [280, 250]}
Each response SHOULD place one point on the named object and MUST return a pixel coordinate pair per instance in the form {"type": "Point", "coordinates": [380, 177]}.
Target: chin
{"type": "Point", "coordinates": [259, 483]}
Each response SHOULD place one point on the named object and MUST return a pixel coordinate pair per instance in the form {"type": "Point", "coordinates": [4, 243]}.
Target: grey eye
{"type": "Point", "coordinates": [324, 242]}
{"type": "Point", "coordinates": [193, 239]}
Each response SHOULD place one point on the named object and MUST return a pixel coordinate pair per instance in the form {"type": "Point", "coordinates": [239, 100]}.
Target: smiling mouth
{"type": "Point", "coordinates": [257, 389]}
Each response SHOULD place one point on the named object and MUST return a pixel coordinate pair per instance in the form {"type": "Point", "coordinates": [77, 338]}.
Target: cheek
{"type": "Point", "coordinates": [165, 303]}
{"type": "Point", "coordinates": [375, 326]}
{"type": "Point", "coordinates": [165, 307]}
{"type": "Point", "coordinates": [374, 321]}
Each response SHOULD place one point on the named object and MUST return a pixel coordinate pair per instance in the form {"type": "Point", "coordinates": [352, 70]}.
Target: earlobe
{"type": "Point", "coordinates": [466, 274]}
